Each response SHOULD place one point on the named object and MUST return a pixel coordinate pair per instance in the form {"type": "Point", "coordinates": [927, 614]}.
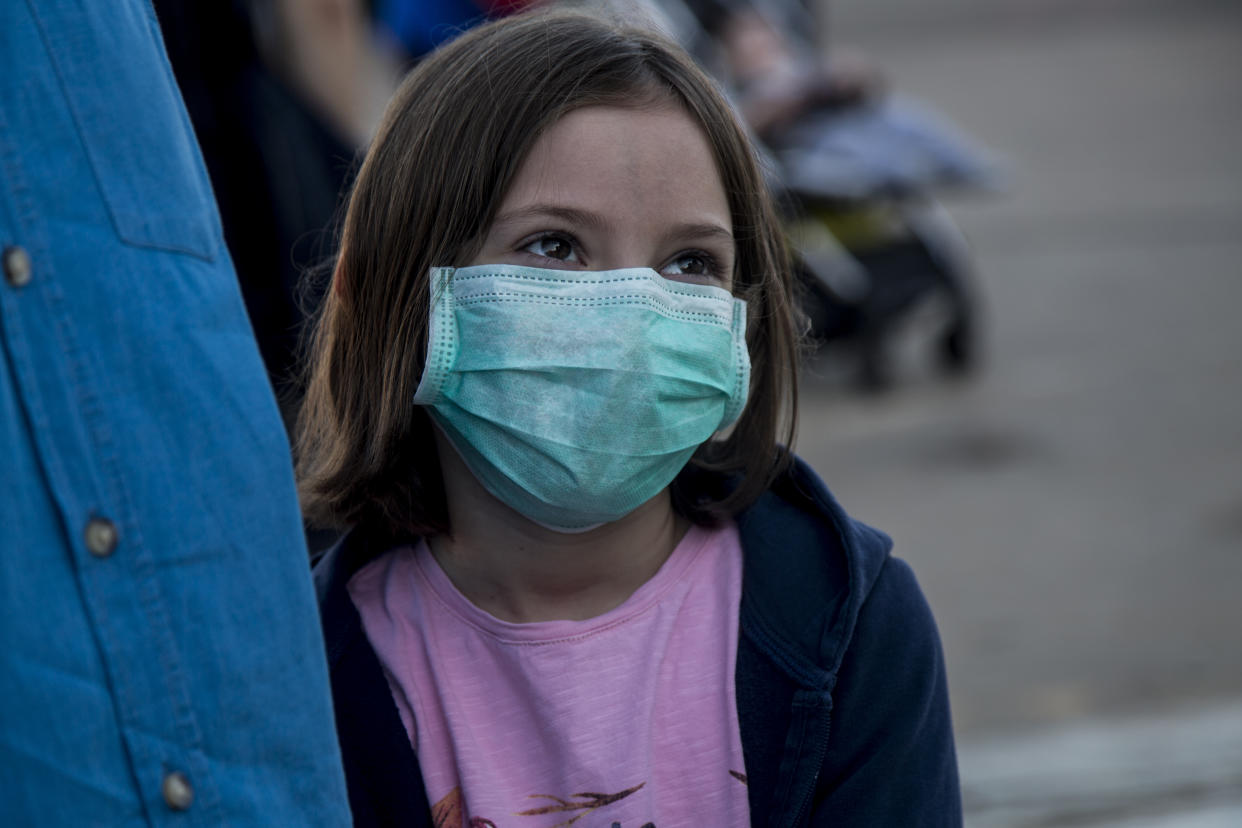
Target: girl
{"type": "Point", "coordinates": [550, 395]}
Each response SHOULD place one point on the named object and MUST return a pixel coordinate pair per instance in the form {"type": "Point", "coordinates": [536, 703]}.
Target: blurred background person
{"type": "Point", "coordinates": [282, 93]}
{"type": "Point", "coordinates": [160, 656]}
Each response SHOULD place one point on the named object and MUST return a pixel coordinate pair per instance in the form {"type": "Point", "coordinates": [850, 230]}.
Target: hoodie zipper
{"type": "Point", "coordinates": [820, 750]}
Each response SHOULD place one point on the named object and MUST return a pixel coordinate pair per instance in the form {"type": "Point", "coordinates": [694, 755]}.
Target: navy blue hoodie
{"type": "Point", "coordinates": [841, 693]}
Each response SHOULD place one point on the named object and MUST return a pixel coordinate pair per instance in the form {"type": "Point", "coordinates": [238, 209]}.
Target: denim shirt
{"type": "Point", "coordinates": [160, 657]}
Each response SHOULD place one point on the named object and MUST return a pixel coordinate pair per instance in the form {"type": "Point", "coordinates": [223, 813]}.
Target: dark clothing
{"type": "Point", "coordinates": [841, 692]}
{"type": "Point", "coordinates": [277, 167]}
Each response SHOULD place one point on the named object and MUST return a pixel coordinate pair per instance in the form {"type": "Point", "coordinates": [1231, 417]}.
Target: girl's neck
{"type": "Point", "coordinates": [520, 571]}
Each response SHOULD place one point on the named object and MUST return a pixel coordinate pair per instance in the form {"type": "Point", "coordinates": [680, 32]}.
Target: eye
{"type": "Point", "coordinates": [693, 266]}
{"type": "Point", "coordinates": [553, 246]}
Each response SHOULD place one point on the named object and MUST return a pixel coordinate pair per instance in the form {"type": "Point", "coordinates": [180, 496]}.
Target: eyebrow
{"type": "Point", "coordinates": [595, 221]}
{"type": "Point", "coordinates": [569, 214]}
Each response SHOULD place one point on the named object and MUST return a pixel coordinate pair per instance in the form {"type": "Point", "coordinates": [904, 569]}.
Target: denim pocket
{"type": "Point", "coordinates": [111, 65]}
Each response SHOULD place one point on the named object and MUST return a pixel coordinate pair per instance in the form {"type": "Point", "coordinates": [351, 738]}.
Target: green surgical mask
{"type": "Point", "coordinates": [576, 396]}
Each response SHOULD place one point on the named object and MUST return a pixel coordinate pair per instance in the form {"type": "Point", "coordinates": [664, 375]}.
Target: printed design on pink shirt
{"type": "Point", "coordinates": [450, 811]}
{"type": "Point", "coordinates": [588, 804]}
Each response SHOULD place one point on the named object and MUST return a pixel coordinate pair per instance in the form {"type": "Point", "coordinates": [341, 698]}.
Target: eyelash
{"type": "Point", "coordinates": [710, 263]}
{"type": "Point", "coordinates": [553, 235]}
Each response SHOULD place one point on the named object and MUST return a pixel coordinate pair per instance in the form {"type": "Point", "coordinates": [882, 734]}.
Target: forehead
{"type": "Point", "coordinates": [613, 158]}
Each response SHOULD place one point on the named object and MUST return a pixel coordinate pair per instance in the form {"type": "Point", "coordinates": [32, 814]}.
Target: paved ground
{"type": "Point", "coordinates": [1075, 514]}
{"type": "Point", "coordinates": [1178, 769]}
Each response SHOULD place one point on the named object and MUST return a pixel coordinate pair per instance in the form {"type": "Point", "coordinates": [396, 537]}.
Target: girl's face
{"type": "Point", "coordinates": [607, 187]}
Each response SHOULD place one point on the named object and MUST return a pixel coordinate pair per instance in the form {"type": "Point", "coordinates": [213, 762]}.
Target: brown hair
{"type": "Point", "coordinates": [451, 141]}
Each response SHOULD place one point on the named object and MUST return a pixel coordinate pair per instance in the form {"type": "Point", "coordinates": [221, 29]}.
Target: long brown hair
{"type": "Point", "coordinates": [451, 141]}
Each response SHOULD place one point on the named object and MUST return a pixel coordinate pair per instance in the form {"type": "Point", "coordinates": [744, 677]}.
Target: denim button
{"type": "Point", "coordinates": [101, 537]}
{"type": "Point", "coordinates": [16, 266]}
{"type": "Point", "coordinates": [177, 791]}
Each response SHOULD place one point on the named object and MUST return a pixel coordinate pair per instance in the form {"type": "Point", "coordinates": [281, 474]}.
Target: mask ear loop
{"type": "Point", "coordinates": [741, 360]}
{"type": "Point", "coordinates": [441, 337]}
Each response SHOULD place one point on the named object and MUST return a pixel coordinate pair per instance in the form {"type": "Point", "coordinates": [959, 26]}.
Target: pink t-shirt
{"type": "Point", "coordinates": [627, 719]}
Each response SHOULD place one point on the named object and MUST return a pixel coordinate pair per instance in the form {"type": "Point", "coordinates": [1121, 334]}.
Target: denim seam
{"type": "Point", "coordinates": [114, 210]}
{"type": "Point", "coordinates": [59, 482]}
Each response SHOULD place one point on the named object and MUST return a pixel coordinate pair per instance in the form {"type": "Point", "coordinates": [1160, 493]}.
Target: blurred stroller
{"type": "Point", "coordinates": [855, 171]}
{"type": "Point", "coordinates": [874, 245]}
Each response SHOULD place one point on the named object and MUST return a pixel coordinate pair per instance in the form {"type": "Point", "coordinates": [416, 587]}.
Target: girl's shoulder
{"type": "Point", "coordinates": [809, 566]}
{"type": "Point", "coordinates": [837, 638]}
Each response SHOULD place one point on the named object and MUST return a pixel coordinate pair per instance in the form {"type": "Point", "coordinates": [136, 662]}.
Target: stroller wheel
{"type": "Point", "coordinates": [957, 352]}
